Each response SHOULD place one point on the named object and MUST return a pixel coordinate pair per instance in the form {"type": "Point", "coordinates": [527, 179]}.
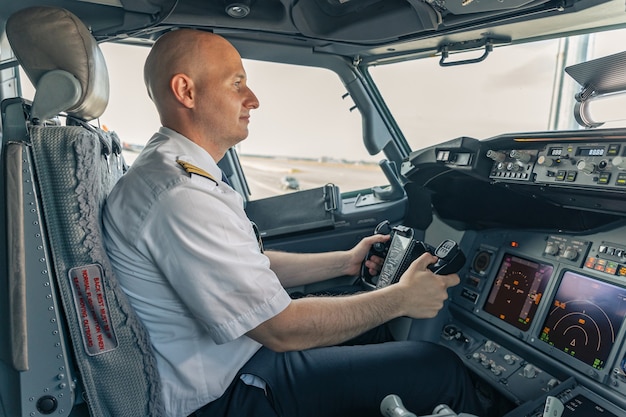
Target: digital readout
{"type": "Point", "coordinates": [595, 151]}
{"type": "Point", "coordinates": [556, 151]}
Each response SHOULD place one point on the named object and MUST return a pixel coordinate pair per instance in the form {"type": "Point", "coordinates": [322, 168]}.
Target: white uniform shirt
{"type": "Point", "coordinates": [185, 253]}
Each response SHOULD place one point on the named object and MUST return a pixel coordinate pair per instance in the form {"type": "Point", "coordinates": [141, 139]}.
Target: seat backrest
{"type": "Point", "coordinates": [75, 347]}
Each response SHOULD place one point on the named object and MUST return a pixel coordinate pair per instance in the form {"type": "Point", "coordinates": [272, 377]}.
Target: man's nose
{"type": "Point", "coordinates": [252, 101]}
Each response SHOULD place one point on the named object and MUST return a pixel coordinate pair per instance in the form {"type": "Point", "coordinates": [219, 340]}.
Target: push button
{"type": "Point", "coordinates": [604, 178]}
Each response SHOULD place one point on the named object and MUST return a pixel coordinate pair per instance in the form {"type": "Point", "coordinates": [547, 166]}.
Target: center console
{"type": "Point", "coordinates": [540, 314]}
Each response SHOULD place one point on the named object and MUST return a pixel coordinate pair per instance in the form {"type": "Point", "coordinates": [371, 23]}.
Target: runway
{"type": "Point", "coordinates": [264, 175]}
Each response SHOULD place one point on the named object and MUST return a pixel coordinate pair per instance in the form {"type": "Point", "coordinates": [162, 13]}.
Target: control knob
{"type": "Point", "coordinates": [509, 359]}
{"type": "Point", "coordinates": [547, 162]}
{"type": "Point", "coordinates": [552, 383]}
{"type": "Point", "coordinates": [490, 346]}
{"type": "Point", "coordinates": [570, 254]}
{"type": "Point", "coordinates": [529, 371]}
{"type": "Point", "coordinates": [619, 162]}
{"type": "Point", "coordinates": [551, 249]}
{"type": "Point", "coordinates": [496, 155]}
{"type": "Point", "coordinates": [586, 167]}
{"type": "Point", "coordinates": [513, 167]}
{"type": "Point", "coordinates": [520, 156]}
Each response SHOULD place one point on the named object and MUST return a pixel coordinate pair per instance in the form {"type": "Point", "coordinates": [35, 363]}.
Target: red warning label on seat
{"type": "Point", "coordinates": [93, 309]}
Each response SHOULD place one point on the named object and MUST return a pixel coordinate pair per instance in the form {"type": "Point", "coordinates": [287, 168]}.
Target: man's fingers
{"type": "Point", "coordinates": [425, 259]}
{"type": "Point", "coordinates": [450, 280]}
{"type": "Point", "coordinates": [379, 238]}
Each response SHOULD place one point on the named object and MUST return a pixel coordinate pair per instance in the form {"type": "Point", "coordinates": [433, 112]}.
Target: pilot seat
{"type": "Point", "coordinates": [73, 345]}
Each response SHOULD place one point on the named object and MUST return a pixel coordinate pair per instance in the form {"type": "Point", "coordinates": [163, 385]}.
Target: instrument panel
{"type": "Point", "coordinates": [596, 165]}
{"type": "Point", "coordinates": [534, 309]}
{"type": "Point", "coordinates": [533, 179]}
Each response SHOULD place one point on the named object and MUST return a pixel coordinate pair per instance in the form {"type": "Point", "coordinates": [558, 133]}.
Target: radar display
{"type": "Point", "coordinates": [585, 317]}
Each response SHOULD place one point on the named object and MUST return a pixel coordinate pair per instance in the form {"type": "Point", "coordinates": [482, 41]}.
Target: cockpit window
{"type": "Point", "coordinates": [303, 130]}
{"type": "Point", "coordinates": [501, 94]}
{"type": "Point", "coordinates": [517, 88]}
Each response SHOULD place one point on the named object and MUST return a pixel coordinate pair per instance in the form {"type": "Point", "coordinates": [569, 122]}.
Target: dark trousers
{"type": "Point", "coordinates": [349, 381]}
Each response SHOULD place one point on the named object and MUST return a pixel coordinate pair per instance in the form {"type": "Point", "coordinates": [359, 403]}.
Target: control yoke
{"type": "Point", "coordinates": [402, 249]}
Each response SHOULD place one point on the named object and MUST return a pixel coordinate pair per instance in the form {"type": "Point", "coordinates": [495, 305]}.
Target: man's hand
{"type": "Point", "coordinates": [425, 291]}
{"type": "Point", "coordinates": [358, 253]}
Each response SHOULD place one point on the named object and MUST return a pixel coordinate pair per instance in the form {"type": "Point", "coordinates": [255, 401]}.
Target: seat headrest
{"type": "Point", "coordinates": [53, 40]}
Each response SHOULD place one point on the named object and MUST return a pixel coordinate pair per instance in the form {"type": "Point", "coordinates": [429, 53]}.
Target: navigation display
{"type": "Point", "coordinates": [517, 290]}
{"type": "Point", "coordinates": [584, 318]}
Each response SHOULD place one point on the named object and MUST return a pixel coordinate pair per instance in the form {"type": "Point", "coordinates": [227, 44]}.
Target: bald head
{"type": "Point", "coordinates": [181, 51]}
{"type": "Point", "coordinates": [199, 86]}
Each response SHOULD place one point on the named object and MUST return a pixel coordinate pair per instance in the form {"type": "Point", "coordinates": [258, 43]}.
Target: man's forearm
{"type": "Point", "coordinates": [323, 321]}
{"type": "Point", "coordinates": [295, 269]}
{"type": "Point", "coordinates": [320, 321]}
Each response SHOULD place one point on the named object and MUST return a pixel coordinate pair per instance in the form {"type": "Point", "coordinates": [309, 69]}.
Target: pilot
{"type": "Point", "coordinates": [228, 338]}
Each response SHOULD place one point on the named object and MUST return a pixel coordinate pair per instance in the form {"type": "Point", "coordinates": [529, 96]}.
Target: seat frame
{"type": "Point", "coordinates": [77, 346]}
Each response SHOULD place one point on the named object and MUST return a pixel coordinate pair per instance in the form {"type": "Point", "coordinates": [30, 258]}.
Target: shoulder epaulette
{"type": "Point", "coordinates": [192, 169]}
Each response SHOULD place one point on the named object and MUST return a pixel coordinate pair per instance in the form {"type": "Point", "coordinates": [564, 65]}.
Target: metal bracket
{"type": "Point", "coordinates": [486, 43]}
{"type": "Point", "coordinates": [582, 117]}
{"type": "Point", "coordinates": [445, 55]}
{"type": "Point", "coordinates": [330, 198]}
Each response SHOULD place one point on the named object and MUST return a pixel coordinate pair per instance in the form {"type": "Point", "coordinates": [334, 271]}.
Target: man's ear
{"type": "Point", "coordinates": [183, 89]}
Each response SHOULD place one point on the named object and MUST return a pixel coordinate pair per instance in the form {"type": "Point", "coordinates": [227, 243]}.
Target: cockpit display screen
{"type": "Point", "coordinates": [584, 318]}
{"type": "Point", "coordinates": [517, 290]}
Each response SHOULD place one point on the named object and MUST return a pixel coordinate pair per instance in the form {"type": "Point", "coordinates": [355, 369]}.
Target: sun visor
{"type": "Point", "coordinates": [603, 83]}
{"type": "Point", "coordinates": [370, 21]}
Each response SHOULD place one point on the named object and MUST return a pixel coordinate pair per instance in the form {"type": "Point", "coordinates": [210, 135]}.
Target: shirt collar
{"type": "Point", "coordinates": [192, 153]}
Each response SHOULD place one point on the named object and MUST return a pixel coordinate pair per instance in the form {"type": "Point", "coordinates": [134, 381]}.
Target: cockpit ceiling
{"type": "Point", "coordinates": [374, 29]}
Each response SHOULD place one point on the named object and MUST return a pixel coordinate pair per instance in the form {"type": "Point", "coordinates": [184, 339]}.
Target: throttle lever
{"type": "Point", "coordinates": [451, 258]}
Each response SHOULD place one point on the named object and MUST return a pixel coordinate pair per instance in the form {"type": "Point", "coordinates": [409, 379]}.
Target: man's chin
{"type": "Point", "coordinates": [239, 139]}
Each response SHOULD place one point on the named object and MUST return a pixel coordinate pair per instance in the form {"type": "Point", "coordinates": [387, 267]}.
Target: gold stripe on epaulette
{"type": "Point", "coordinates": [192, 169]}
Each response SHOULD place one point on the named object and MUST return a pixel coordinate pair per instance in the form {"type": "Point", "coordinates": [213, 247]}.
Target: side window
{"type": "Point", "coordinates": [303, 135]}
{"type": "Point", "coordinates": [130, 113]}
